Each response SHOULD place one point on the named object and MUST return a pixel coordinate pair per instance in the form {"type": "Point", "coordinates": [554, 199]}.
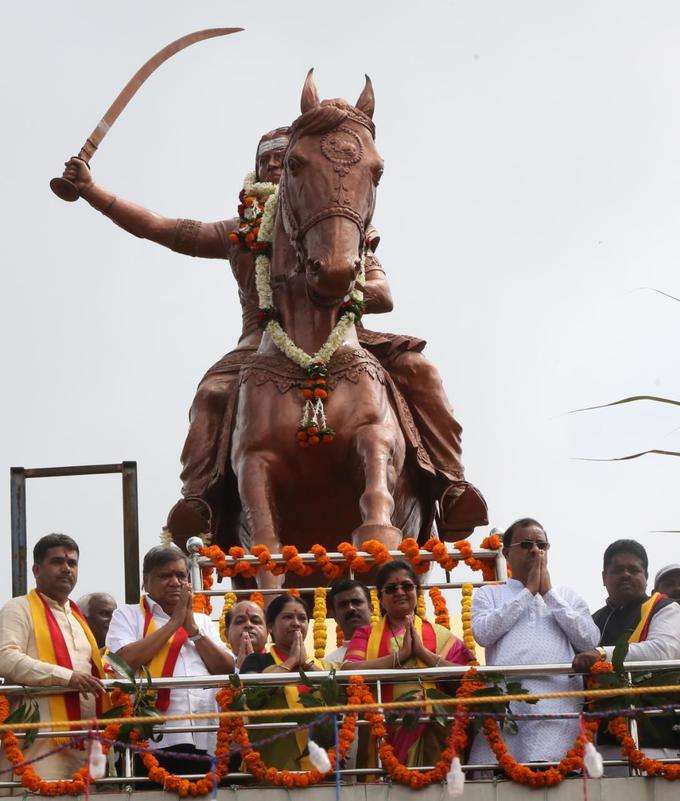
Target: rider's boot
{"type": "Point", "coordinates": [189, 517]}
{"type": "Point", "coordinates": [461, 509]}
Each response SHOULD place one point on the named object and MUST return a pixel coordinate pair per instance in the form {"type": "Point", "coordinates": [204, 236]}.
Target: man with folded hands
{"type": "Point", "coordinates": [165, 634]}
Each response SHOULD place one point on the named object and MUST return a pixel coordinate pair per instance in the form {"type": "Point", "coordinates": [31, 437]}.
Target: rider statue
{"type": "Point", "coordinates": [204, 460]}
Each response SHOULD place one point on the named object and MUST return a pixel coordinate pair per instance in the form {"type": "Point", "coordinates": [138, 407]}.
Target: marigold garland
{"type": "Point", "coordinates": [80, 780]}
{"type": "Point", "coordinates": [441, 612]}
{"type": "Point", "coordinates": [521, 774]}
{"type": "Point", "coordinates": [466, 618]}
{"type": "Point", "coordinates": [440, 552]}
{"type": "Point", "coordinates": [411, 550]}
{"type": "Point", "coordinates": [237, 733]}
{"type": "Point", "coordinates": [378, 551]}
{"type": "Point", "coordinates": [265, 559]}
{"type": "Point", "coordinates": [257, 598]}
{"type": "Point", "coordinates": [319, 628]}
{"type": "Point", "coordinates": [355, 562]}
{"type": "Point", "coordinates": [420, 604]}
{"type": "Point", "coordinates": [200, 602]}
{"type": "Point", "coordinates": [229, 600]}
{"type": "Point", "coordinates": [293, 563]}
{"type": "Point", "coordinates": [375, 606]}
{"type": "Point", "coordinates": [359, 693]}
{"type": "Point", "coordinates": [619, 728]}
{"type": "Point", "coordinates": [196, 787]}
{"type": "Point", "coordinates": [330, 570]}
{"type": "Point", "coordinates": [239, 568]}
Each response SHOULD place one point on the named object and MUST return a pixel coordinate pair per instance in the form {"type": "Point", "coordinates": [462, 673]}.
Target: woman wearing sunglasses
{"type": "Point", "coordinates": [400, 639]}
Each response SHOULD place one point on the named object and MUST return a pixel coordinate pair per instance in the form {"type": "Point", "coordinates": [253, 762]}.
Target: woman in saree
{"type": "Point", "coordinates": [287, 621]}
{"type": "Point", "coordinates": [403, 640]}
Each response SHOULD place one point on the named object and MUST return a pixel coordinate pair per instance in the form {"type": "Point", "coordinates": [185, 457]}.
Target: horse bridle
{"type": "Point", "coordinates": [343, 155]}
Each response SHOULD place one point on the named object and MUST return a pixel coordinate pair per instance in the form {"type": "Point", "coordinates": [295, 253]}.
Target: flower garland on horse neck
{"type": "Point", "coordinates": [258, 225]}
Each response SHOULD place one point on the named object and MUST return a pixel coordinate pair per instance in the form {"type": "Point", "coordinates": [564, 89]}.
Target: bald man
{"type": "Point", "coordinates": [246, 630]}
{"type": "Point", "coordinates": [98, 608]}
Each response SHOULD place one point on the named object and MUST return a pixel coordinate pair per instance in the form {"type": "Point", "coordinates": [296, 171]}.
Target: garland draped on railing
{"type": "Point", "coordinates": [232, 736]}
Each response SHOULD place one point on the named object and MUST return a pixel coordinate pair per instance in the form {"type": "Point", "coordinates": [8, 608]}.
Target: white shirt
{"type": "Point", "coordinates": [663, 638]}
{"type": "Point", "coordinates": [127, 626]}
{"type": "Point", "coordinates": [518, 628]}
{"type": "Point", "coordinates": [336, 657]}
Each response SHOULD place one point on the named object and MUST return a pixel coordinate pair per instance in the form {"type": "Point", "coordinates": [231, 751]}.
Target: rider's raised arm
{"type": "Point", "coordinates": [377, 295]}
{"type": "Point", "coordinates": [190, 237]}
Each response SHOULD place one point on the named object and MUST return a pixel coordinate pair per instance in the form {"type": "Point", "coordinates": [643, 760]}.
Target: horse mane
{"type": "Point", "coordinates": [329, 114]}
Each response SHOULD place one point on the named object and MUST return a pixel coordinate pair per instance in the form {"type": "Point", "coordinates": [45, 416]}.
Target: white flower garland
{"type": "Point", "coordinates": [266, 299]}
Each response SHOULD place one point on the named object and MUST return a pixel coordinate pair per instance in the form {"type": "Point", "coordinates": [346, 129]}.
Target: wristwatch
{"type": "Point", "coordinates": [195, 637]}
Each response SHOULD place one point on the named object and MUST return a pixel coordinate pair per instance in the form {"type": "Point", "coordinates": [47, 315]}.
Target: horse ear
{"type": "Point", "coordinates": [366, 101]}
{"type": "Point", "coordinates": [310, 94]}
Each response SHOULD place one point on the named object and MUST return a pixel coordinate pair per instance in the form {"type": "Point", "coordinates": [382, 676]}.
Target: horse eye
{"type": "Point", "coordinates": [294, 164]}
{"type": "Point", "coordinates": [377, 175]}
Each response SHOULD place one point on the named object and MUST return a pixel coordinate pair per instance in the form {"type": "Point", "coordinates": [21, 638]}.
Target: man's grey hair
{"type": "Point", "coordinates": [161, 555]}
{"type": "Point", "coordinates": [85, 602]}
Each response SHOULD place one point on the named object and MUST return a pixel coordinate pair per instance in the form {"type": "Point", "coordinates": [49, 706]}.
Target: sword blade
{"type": "Point", "coordinates": [132, 86]}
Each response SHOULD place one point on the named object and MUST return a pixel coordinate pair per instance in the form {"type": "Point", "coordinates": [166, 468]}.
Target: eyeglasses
{"type": "Point", "coordinates": [406, 586]}
{"type": "Point", "coordinates": [527, 545]}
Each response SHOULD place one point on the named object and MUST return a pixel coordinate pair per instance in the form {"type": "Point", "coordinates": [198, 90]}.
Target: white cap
{"type": "Point", "coordinates": [664, 572]}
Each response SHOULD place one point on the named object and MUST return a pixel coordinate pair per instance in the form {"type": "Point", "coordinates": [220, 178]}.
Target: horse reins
{"type": "Point", "coordinates": [297, 229]}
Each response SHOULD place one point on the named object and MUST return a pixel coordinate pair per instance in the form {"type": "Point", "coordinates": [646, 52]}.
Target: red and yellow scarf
{"type": "Point", "coordinates": [52, 648]}
{"type": "Point", "coordinates": [163, 663]}
{"type": "Point", "coordinates": [647, 611]}
{"type": "Point", "coordinates": [292, 694]}
{"type": "Point", "coordinates": [382, 642]}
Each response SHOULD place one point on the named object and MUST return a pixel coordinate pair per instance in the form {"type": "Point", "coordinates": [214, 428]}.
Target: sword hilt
{"type": "Point", "coordinates": [65, 189]}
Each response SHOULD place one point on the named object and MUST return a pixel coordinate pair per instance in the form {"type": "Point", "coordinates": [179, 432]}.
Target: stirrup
{"type": "Point", "coordinates": [461, 509]}
{"type": "Point", "coordinates": [189, 517]}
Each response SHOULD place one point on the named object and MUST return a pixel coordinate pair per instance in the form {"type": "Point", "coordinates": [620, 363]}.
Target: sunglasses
{"type": "Point", "coordinates": [527, 545]}
{"type": "Point", "coordinates": [406, 586]}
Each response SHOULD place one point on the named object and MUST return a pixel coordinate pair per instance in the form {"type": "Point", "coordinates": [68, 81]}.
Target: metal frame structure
{"type": "Point", "coordinates": [128, 470]}
{"type": "Point", "coordinates": [197, 562]}
{"type": "Point", "coordinates": [128, 780]}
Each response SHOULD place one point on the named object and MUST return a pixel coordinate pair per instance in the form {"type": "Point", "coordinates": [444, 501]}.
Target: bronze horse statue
{"type": "Point", "coordinates": [361, 485]}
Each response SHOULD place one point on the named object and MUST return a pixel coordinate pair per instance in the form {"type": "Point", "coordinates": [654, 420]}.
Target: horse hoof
{"type": "Point", "coordinates": [390, 536]}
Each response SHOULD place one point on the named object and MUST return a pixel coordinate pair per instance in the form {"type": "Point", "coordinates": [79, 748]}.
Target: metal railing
{"type": "Point", "coordinates": [197, 562]}
{"type": "Point", "coordinates": [376, 677]}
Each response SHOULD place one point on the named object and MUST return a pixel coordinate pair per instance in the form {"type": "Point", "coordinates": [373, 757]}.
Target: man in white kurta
{"type": "Point", "coordinates": [528, 622]}
{"type": "Point", "coordinates": [137, 640]}
{"type": "Point", "coordinates": [55, 570]}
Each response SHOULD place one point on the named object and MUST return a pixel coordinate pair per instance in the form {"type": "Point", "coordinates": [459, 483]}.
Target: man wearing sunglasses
{"type": "Point", "coordinates": [527, 621]}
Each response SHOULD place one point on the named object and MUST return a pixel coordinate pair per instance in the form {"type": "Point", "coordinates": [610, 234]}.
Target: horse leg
{"type": "Point", "coordinates": [375, 446]}
{"type": "Point", "coordinates": [259, 510]}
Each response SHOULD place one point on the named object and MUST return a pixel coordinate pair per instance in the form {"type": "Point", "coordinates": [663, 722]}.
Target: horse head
{"type": "Point", "coordinates": [328, 189]}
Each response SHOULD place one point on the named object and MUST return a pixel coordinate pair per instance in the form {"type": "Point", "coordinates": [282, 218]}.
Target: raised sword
{"type": "Point", "coordinates": [66, 190]}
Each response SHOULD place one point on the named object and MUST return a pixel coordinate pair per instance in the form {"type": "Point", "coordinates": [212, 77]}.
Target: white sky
{"type": "Point", "coordinates": [532, 183]}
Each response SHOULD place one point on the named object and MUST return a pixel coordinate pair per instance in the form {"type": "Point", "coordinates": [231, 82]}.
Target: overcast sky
{"type": "Point", "coordinates": [532, 185]}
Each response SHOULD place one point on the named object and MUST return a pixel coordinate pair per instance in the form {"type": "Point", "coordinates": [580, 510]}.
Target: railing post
{"type": "Point", "coordinates": [17, 483]}
{"type": "Point", "coordinates": [501, 567]}
{"type": "Point", "coordinates": [378, 698]}
{"type": "Point", "coordinates": [128, 771]}
{"type": "Point", "coordinates": [130, 532]}
{"type": "Point", "coordinates": [194, 544]}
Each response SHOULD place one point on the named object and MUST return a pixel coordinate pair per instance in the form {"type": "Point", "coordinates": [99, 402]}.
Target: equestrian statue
{"type": "Point", "coordinates": [314, 429]}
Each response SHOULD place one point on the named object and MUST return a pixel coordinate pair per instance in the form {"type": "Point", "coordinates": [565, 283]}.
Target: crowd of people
{"type": "Point", "coordinates": [48, 640]}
